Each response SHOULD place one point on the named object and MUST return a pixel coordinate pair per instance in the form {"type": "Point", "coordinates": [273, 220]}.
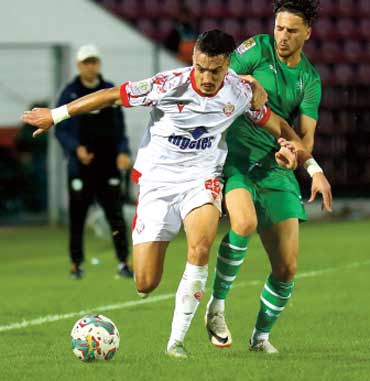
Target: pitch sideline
{"type": "Point", "coordinates": [155, 299]}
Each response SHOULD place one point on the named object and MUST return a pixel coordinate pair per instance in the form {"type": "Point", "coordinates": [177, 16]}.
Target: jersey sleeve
{"type": "Point", "coordinates": [311, 99]}
{"type": "Point", "coordinates": [246, 56]}
{"type": "Point", "coordinates": [146, 92]}
{"type": "Point", "coordinates": [259, 117]}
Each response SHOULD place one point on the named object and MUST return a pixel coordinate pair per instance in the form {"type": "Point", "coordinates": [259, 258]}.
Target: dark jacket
{"type": "Point", "coordinates": [103, 132]}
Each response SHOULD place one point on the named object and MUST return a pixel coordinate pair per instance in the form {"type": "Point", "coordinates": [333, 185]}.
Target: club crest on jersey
{"type": "Point", "coordinates": [180, 106]}
{"type": "Point", "coordinates": [246, 45]}
{"type": "Point", "coordinates": [228, 109]}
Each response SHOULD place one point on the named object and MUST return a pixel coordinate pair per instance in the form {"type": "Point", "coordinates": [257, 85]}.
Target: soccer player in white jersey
{"type": "Point", "coordinates": [179, 163]}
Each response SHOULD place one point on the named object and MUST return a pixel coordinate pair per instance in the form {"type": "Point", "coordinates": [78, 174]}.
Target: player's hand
{"type": "Point", "coordinates": [286, 157]}
{"type": "Point", "coordinates": [320, 184]}
{"type": "Point", "coordinates": [38, 117]}
{"type": "Point", "coordinates": [260, 96]}
{"type": "Point", "coordinates": [84, 155]}
{"type": "Point", "coordinates": [123, 162]}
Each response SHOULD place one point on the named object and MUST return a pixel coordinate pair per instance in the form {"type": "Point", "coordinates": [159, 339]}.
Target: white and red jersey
{"type": "Point", "coordinates": [185, 136]}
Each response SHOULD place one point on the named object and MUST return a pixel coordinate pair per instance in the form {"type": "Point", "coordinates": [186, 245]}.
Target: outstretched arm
{"type": "Point", "coordinates": [44, 118]}
{"type": "Point", "coordinates": [280, 128]}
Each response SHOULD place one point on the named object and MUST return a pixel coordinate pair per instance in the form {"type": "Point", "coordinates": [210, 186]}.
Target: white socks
{"type": "Point", "coordinates": [216, 305]}
{"type": "Point", "coordinates": [188, 295]}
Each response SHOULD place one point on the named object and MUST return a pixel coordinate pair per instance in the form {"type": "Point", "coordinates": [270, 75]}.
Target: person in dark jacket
{"type": "Point", "coordinates": [96, 156]}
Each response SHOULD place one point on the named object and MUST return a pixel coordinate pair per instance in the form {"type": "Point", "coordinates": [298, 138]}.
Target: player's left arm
{"type": "Point", "coordinates": [306, 131]}
{"type": "Point", "coordinates": [279, 127]}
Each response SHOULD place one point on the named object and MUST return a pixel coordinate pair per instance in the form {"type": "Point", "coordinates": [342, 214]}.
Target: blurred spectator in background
{"type": "Point", "coordinates": [96, 157]}
{"type": "Point", "coordinates": [33, 157]}
{"type": "Point", "coordinates": [182, 38]}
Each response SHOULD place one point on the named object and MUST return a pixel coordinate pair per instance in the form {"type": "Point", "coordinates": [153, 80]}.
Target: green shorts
{"type": "Point", "coordinates": [275, 193]}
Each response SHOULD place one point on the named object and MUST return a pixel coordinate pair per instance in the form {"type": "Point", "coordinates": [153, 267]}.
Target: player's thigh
{"type": "Point", "coordinates": [281, 242]}
{"type": "Point", "coordinates": [148, 264]}
{"type": "Point", "coordinates": [242, 213]}
{"type": "Point", "coordinates": [201, 226]}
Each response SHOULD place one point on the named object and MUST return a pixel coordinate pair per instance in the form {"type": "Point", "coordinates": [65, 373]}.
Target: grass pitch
{"type": "Point", "coordinates": [322, 335]}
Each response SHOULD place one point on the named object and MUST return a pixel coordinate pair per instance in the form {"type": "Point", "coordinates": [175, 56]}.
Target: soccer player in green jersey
{"type": "Point", "coordinates": [259, 194]}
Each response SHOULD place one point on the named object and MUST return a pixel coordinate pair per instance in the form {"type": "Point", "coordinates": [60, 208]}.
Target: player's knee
{"type": "Point", "coordinates": [285, 272]}
{"type": "Point", "coordinates": [244, 226]}
{"type": "Point", "coordinates": [199, 253]}
{"type": "Point", "coordinates": [146, 283]}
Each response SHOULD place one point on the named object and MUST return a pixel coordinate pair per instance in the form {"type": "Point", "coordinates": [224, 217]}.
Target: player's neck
{"type": "Point", "coordinates": [292, 60]}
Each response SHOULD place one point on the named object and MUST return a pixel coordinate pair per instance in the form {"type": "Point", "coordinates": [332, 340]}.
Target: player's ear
{"type": "Point", "coordinates": [308, 33]}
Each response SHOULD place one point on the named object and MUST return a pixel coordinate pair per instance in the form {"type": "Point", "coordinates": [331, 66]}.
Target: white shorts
{"type": "Point", "coordinates": [161, 209]}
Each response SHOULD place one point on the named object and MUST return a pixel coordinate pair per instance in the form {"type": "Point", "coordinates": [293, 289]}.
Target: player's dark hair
{"type": "Point", "coordinates": [307, 9]}
{"type": "Point", "coordinates": [215, 43]}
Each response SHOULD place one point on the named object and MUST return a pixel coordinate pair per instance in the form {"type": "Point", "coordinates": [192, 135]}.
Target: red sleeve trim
{"type": "Point", "coordinates": [124, 95]}
{"type": "Point", "coordinates": [135, 176]}
{"type": "Point", "coordinates": [266, 117]}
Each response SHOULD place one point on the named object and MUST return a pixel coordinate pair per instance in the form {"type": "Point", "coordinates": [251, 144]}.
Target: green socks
{"type": "Point", "coordinates": [230, 257]}
{"type": "Point", "coordinates": [274, 297]}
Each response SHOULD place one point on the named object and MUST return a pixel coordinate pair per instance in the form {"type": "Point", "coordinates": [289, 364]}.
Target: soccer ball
{"type": "Point", "coordinates": [94, 337]}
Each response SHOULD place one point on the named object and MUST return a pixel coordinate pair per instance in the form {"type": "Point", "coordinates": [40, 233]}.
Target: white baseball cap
{"type": "Point", "coordinates": [88, 51]}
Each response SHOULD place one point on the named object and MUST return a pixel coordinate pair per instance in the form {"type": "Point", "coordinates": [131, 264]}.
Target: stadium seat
{"type": "Point", "coordinates": [127, 9]}
{"type": "Point", "coordinates": [237, 8]}
{"type": "Point", "coordinates": [323, 29]}
{"type": "Point", "coordinates": [346, 121]}
{"type": "Point", "coordinates": [254, 26]}
{"type": "Point", "coordinates": [346, 28]}
{"type": "Point", "coordinates": [364, 28]}
{"type": "Point", "coordinates": [327, 8]}
{"type": "Point", "coordinates": [353, 51]}
{"type": "Point", "coordinates": [233, 27]}
{"type": "Point", "coordinates": [312, 51]}
{"type": "Point", "coordinates": [148, 28]}
{"type": "Point", "coordinates": [363, 74]}
{"type": "Point", "coordinates": [259, 8]}
{"type": "Point", "coordinates": [325, 73]}
{"type": "Point", "coordinates": [326, 123]}
{"type": "Point", "coordinates": [345, 8]}
{"type": "Point", "coordinates": [151, 9]}
{"type": "Point", "coordinates": [208, 24]}
{"type": "Point", "coordinates": [343, 74]}
{"type": "Point", "coordinates": [170, 8]}
{"type": "Point", "coordinates": [330, 52]}
{"type": "Point", "coordinates": [214, 8]}
{"type": "Point", "coordinates": [164, 27]}
{"type": "Point", "coordinates": [364, 8]}
{"type": "Point", "coordinates": [366, 52]}
{"type": "Point", "coordinates": [196, 7]}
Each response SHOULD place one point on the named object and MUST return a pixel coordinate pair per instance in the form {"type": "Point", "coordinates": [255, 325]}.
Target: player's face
{"type": "Point", "coordinates": [290, 34]}
{"type": "Point", "coordinates": [209, 72]}
{"type": "Point", "coordinates": [89, 69]}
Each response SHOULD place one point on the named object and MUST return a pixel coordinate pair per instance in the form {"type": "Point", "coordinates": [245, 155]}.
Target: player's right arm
{"type": "Point", "coordinates": [44, 118]}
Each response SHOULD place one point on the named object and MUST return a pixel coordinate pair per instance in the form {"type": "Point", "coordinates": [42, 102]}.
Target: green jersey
{"type": "Point", "coordinates": [291, 90]}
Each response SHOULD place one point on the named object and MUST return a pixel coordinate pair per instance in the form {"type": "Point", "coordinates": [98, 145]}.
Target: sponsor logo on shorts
{"type": "Point", "coordinates": [185, 143]}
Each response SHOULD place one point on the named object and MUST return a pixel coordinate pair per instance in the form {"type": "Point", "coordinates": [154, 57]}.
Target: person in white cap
{"type": "Point", "coordinates": [96, 156]}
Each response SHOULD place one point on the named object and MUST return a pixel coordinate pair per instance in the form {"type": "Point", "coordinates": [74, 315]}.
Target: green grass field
{"type": "Point", "coordinates": [324, 334]}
